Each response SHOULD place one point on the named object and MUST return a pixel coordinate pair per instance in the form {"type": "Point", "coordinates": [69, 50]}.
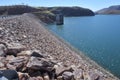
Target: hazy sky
{"type": "Point", "coordinates": [91, 4]}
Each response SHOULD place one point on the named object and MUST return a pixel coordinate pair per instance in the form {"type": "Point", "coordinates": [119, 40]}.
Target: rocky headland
{"type": "Point", "coordinates": [36, 54]}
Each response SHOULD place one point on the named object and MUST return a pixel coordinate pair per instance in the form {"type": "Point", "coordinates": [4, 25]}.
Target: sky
{"type": "Point", "coordinates": [91, 4]}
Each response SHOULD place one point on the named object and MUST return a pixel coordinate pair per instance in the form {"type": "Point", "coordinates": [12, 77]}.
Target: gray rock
{"type": "Point", "coordinates": [37, 53]}
{"type": "Point", "coordinates": [68, 75]}
{"type": "Point", "coordinates": [14, 48]}
{"type": "Point", "coordinates": [37, 63]}
{"type": "Point", "coordinates": [1, 32]}
{"type": "Point", "coordinates": [93, 75]}
{"type": "Point", "coordinates": [3, 50]}
{"type": "Point", "coordinates": [3, 60]}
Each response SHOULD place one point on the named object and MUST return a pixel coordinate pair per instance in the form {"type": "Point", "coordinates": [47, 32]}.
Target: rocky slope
{"type": "Point", "coordinates": [110, 10]}
{"type": "Point", "coordinates": [30, 49]}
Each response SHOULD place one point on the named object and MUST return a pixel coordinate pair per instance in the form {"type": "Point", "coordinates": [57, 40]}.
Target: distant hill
{"type": "Point", "coordinates": [67, 11]}
{"type": "Point", "coordinates": [110, 10]}
{"type": "Point", "coordinates": [46, 14]}
{"type": "Point", "coordinates": [72, 11]}
{"type": "Point", "coordinates": [16, 9]}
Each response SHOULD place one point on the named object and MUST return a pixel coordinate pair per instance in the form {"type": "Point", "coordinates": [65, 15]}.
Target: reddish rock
{"type": "Point", "coordinates": [16, 63]}
{"type": "Point", "coordinates": [1, 65]}
{"type": "Point", "coordinates": [23, 76]}
{"type": "Point", "coordinates": [60, 69]}
{"type": "Point", "coordinates": [9, 57]}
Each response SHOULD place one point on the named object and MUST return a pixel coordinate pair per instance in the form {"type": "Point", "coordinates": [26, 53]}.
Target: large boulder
{"type": "Point", "coordinates": [68, 75]}
{"type": "Point", "coordinates": [14, 48]}
{"type": "Point", "coordinates": [17, 63]}
{"type": "Point", "coordinates": [37, 63]}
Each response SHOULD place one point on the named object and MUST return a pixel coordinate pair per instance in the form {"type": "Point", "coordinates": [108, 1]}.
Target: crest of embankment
{"type": "Point", "coordinates": [30, 31]}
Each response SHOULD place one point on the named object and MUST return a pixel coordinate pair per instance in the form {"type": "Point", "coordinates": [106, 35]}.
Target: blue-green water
{"type": "Point", "coordinates": [97, 37]}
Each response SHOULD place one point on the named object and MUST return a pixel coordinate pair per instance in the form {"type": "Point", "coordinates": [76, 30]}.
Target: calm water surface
{"type": "Point", "coordinates": [97, 37]}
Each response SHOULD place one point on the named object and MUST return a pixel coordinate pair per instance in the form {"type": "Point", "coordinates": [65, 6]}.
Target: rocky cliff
{"type": "Point", "coordinates": [110, 10]}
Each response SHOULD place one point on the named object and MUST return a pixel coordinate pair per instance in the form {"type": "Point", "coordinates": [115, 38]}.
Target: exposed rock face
{"type": "Point", "coordinates": [43, 56]}
{"type": "Point", "coordinates": [110, 10]}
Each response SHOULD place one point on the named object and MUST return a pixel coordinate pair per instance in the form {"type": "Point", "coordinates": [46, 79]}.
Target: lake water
{"type": "Point", "coordinates": [97, 37]}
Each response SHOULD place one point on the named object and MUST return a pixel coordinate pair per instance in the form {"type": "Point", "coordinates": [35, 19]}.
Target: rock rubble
{"type": "Point", "coordinates": [33, 65]}
{"type": "Point", "coordinates": [30, 49]}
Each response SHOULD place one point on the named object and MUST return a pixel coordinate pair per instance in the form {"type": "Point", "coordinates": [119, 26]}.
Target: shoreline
{"type": "Point", "coordinates": [81, 54]}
